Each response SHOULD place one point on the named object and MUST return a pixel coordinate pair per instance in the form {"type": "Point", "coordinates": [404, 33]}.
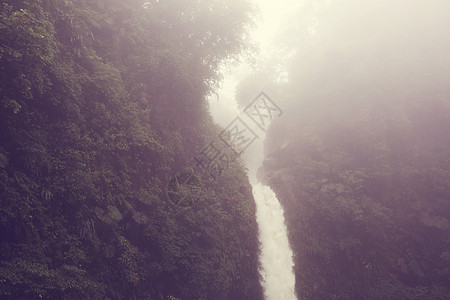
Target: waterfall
{"type": "Point", "coordinates": [276, 259]}
{"type": "Point", "coordinates": [276, 254]}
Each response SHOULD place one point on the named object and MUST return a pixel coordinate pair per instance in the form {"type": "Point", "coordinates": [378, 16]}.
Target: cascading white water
{"type": "Point", "coordinates": [276, 254]}
{"type": "Point", "coordinates": [276, 259]}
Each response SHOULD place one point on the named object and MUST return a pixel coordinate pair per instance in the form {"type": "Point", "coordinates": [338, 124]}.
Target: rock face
{"type": "Point", "coordinates": [101, 103]}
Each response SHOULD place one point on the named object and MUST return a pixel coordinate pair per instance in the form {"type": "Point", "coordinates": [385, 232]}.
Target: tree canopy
{"type": "Point", "coordinates": [101, 103]}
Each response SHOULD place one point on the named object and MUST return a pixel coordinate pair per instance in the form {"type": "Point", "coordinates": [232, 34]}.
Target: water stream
{"type": "Point", "coordinates": [278, 279]}
{"type": "Point", "coordinates": [276, 259]}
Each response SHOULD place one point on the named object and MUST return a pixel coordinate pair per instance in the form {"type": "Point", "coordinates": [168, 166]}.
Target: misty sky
{"type": "Point", "coordinates": [346, 68]}
{"type": "Point", "coordinates": [328, 56]}
{"type": "Point", "coordinates": [272, 17]}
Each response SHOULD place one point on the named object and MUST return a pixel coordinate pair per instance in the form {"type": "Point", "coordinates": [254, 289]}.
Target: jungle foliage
{"type": "Point", "coordinates": [363, 165]}
{"type": "Point", "coordinates": [101, 102]}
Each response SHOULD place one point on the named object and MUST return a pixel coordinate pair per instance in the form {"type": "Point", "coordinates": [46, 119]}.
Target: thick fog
{"type": "Point", "coordinates": [117, 182]}
{"type": "Point", "coordinates": [334, 57]}
{"type": "Point", "coordinates": [361, 56]}
{"type": "Point", "coordinates": [347, 70]}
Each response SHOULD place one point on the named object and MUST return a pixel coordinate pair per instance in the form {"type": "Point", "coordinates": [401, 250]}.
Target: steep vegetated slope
{"type": "Point", "coordinates": [101, 103]}
{"type": "Point", "coordinates": [362, 166]}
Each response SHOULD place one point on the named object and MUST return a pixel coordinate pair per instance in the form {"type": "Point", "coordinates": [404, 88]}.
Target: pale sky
{"type": "Point", "coordinates": [274, 16]}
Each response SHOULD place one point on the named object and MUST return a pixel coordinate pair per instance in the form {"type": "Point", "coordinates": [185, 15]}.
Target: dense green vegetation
{"type": "Point", "coordinates": [363, 165]}
{"type": "Point", "coordinates": [101, 102]}
{"type": "Point", "coordinates": [368, 217]}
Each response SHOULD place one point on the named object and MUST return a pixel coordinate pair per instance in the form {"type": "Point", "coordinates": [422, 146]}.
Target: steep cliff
{"type": "Point", "coordinates": [102, 104]}
{"type": "Point", "coordinates": [361, 158]}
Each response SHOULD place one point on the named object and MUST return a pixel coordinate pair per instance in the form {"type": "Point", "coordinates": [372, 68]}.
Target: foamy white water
{"type": "Point", "coordinates": [276, 254]}
{"type": "Point", "coordinates": [278, 279]}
